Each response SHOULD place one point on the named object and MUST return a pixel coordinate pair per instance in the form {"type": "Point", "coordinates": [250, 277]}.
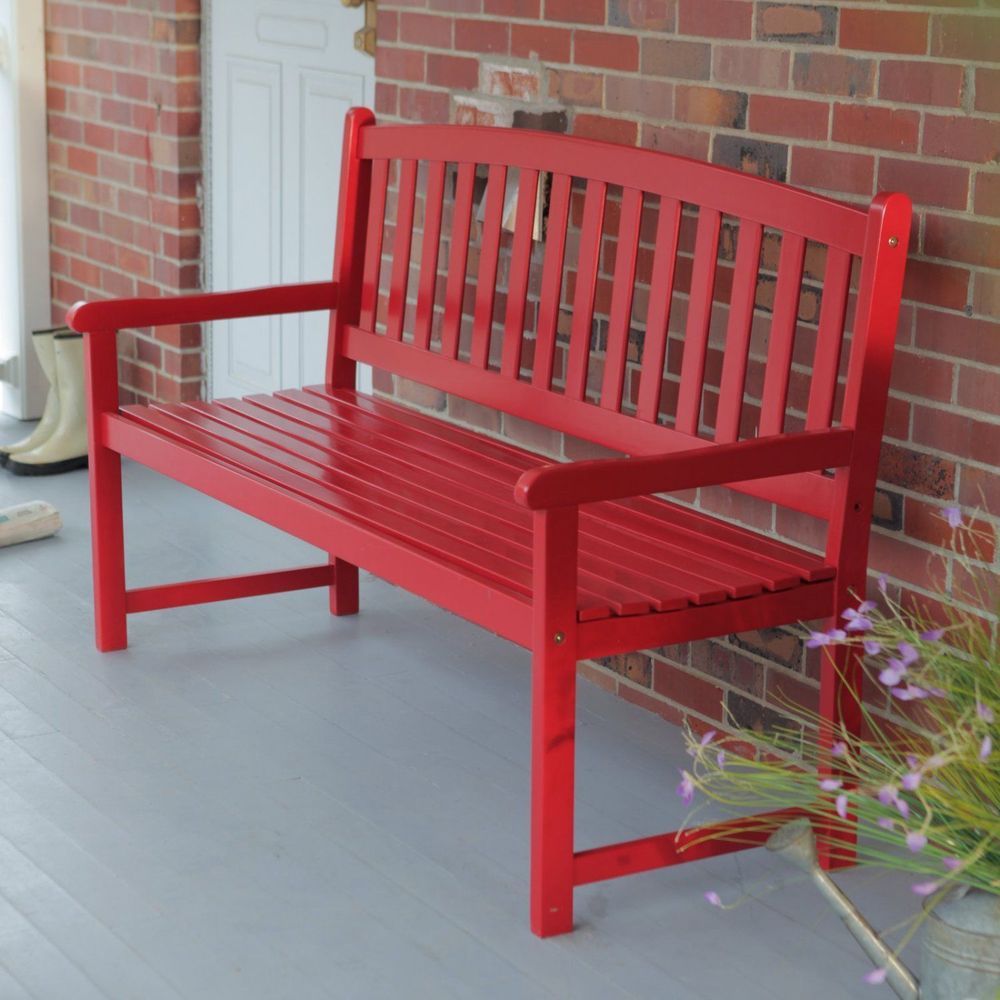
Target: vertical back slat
{"type": "Point", "coordinates": [782, 340]}
{"type": "Point", "coordinates": [829, 339]}
{"type": "Point", "coordinates": [454, 293]}
{"type": "Point", "coordinates": [661, 294]}
{"type": "Point", "coordinates": [734, 365]}
{"type": "Point", "coordinates": [400, 278]}
{"type": "Point", "coordinates": [552, 274]}
{"type": "Point", "coordinates": [621, 300]}
{"type": "Point", "coordinates": [429, 247]}
{"type": "Point", "coordinates": [586, 287]}
{"type": "Point", "coordinates": [706, 252]}
{"type": "Point", "coordinates": [373, 244]}
{"type": "Point", "coordinates": [489, 254]}
{"type": "Point", "coordinates": [520, 265]}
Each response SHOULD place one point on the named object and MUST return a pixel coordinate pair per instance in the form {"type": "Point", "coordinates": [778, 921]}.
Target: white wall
{"type": "Point", "coordinates": [25, 303]}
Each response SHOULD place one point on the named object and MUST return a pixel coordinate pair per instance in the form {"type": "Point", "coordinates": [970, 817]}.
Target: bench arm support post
{"type": "Point", "coordinates": [553, 719]}
{"type": "Point", "coordinates": [560, 484]}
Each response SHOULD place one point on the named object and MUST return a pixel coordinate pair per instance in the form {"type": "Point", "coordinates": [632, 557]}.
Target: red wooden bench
{"type": "Point", "coordinates": [571, 560]}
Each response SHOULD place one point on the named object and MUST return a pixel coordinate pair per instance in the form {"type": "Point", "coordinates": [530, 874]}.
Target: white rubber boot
{"type": "Point", "coordinates": [66, 447]}
{"type": "Point", "coordinates": [45, 348]}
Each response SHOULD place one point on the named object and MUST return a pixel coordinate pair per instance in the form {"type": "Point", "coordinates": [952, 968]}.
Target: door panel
{"type": "Point", "coordinates": [252, 348]}
{"type": "Point", "coordinates": [282, 75]}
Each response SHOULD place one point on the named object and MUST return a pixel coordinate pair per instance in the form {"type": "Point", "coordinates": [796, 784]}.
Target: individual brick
{"type": "Point", "coordinates": [643, 97]}
{"type": "Point", "coordinates": [897, 31]}
{"type": "Point", "coordinates": [606, 49]}
{"type": "Point", "coordinates": [576, 11]}
{"type": "Point", "coordinates": [770, 115]}
{"type": "Point", "coordinates": [957, 239]}
{"type": "Point", "coordinates": [715, 18]}
{"type": "Point", "coordinates": [880, 128]}
{"type": "Point", "coordinates": [649, 15]}
{"type": "Point", "coordinates": [966, 37]}
{"type": "Point", "coordinates": [926, 183]}
{"type": "Point", "coordinates": [784, 22]}
{"type": "Point", "coordinates": [958, 137]}
{"type": "Point", "coordinates": [917, 471]}
{"type": "Point", "coordinates": [752, 156]}
{"type": "Point", "coordinates": [710, 106]}
{"type": "Point", "coordinates": [911, 82]}
{"type": "Point", "coordinates": [550, 44]}
{"type": "Point", "coordinates": [833, 170]}
{"type": "Point", "coordinates": [750, 66]}
{"type": "Point", "coordinates": [833, 73]}
{"type": "Point", "coordinates": [681, 60]}
{"type": "Point", "coordinates": [482, 36]}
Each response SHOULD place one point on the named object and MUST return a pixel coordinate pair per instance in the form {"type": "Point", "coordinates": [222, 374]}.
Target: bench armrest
{"type": "Point", "coordinates": [117, 314]}
{"type": "Point", "coordinates": [564, 484]}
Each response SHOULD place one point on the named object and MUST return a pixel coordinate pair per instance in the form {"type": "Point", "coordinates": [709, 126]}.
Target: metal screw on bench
{"type": "Point", "coordinates": [559, 638]}
{"type": "Point", "coordinates": [893, 241]}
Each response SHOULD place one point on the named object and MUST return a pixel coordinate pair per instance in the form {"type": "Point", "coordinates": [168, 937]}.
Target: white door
{"type": "Point", "coordinates": [283, 73]}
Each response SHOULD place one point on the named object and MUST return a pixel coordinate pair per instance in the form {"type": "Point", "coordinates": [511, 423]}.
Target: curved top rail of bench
{"type": "Point", "coordinates": [745, 196]}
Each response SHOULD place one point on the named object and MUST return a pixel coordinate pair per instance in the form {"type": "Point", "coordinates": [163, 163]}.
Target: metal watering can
{"type": "Point", "coordinates": [961, 948]}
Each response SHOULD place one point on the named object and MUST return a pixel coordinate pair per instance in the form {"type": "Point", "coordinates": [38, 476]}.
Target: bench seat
{"type": "Point", "coordinates": [448, 493]}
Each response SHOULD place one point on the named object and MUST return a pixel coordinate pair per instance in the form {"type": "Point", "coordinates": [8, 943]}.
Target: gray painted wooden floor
{"type": "Point", "coordinates": [257, 800]}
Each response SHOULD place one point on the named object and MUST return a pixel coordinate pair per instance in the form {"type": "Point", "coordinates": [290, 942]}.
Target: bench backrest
{"type": "Point", "coordinates": [725, 296]}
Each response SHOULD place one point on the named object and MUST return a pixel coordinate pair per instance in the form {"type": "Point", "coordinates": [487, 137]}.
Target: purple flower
{"type": "Point", "coordinates": [912, 692]}
{"type": "Point", "coordinates": [887, 795]}
{"type": "Point", "coordinates": [686, 788]}
{"type": "Point", "coordinates": [916, 841]}
{"type": "Point", "coordinates": [953, 515]}
{"type": "Point", "coordinates": [902, 808]}
{"type": "Point", "coordinates": [720, 759]}
{"type": "Point", "coordinates": [893, 673]}
{"type": "Point", "coordinates": [925, 888]}
{"type": "Point", "coordinates": [911, 781]}
{"type": "Point", "coordinates": [910, 655]}
{"type": "Point", "coordinates": [713, 898]}
{"type": "Point", "coordinates": [933, 635]}
{"type": "Point", "coordinates": [708, 737]}
{"type": "Point", "coordinates": [839, 749]}
{"type": "Point", "coordinates": [876, 977]}
{"type": "Point", "coordinates": [841, 806]}
{"type": "Point", "coordinates": [856, 617]}
{"type": "Point", "coordinates": [825, 638]}
{"type": "Point", "coordinates": [887, 823]}
{"type": "Point", "coordinates": [872, 648]}
{"type": "Point", "coordinates": [984, 712]}
{"type": "Point", "coordinates": [986, 747]}
{"type": "Point", "coordinates": [952, 864]}
{"type": "Point", "coordinates": [830, 784]}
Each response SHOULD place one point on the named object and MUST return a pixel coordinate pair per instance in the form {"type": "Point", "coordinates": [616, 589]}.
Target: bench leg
{"type": "Point", "coordinates": [552, 766]}
{"type": "Point", "coordinates": [108, 546]}
{"type": "Point", "coordinates": [840, 711]}
{"type": "Point", "coordinates": [553, 723]}
{"type": "Point", "coordinates": [344, 591]}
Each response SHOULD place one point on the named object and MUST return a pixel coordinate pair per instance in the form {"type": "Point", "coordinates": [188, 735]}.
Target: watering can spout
{"type": "Point", "coordinates": [796, 843]}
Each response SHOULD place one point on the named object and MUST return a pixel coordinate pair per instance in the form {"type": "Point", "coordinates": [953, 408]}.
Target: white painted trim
{"type": "Point", "coordinates": [25, 293]}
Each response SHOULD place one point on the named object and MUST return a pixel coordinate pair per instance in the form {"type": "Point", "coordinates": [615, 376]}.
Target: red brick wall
{"type": "Point", "coordinates": [844, 98]}
{"type": "Point", "coordinates": [124, 100]}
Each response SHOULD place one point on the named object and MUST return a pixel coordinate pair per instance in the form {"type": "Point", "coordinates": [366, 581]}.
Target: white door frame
{"type": "Point", "coordinates": [25, 291]}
